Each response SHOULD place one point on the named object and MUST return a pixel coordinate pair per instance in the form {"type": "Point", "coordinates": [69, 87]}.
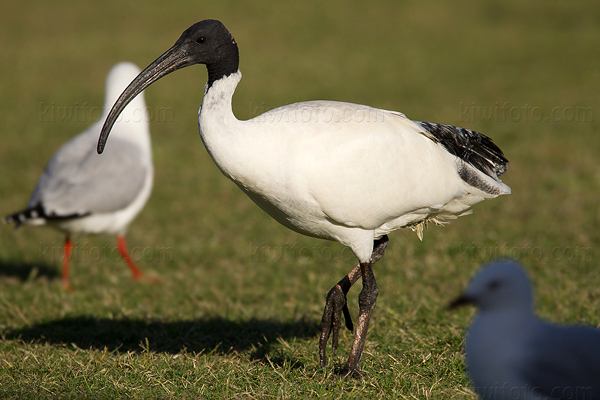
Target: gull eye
{"type": "Point", "coordinates": [201, 40]}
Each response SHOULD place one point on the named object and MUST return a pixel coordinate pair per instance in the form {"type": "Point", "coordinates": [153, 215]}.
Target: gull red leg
{"type": "Point", "coordinates": [66, 258]}
{"type": "Point", "coordinates": [137, 274]}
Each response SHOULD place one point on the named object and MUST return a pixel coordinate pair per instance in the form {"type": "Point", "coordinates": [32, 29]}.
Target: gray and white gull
{"type": "Point", "coordinates": [511, 354]}
{"type": "Point", "coordinates": [83, 193]}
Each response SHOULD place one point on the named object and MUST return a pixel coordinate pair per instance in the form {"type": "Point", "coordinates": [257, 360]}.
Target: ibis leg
{"type": "Point", "coordinates": [366, 303]}
{"type": "Point", "coordinates": [137, 274]}
{"type": "Point", "coordinates": [336, 303]}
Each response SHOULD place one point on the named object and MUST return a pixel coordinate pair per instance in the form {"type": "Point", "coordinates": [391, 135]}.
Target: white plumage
{"type": "Point", "coordinates": [351, 181]}
{"type": "Point", "coordinates": [81, 192]}
{"type": "Point", "coordinates": [331, 170]}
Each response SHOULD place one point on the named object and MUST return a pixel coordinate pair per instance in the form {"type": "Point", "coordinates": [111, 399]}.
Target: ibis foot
{"type": "Point", "coordinates": [353, 373]}
{"type": "Point", "coordinates": [335, 305]}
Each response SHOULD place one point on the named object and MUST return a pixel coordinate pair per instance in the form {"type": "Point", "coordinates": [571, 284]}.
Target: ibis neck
{"type": "Point", "coordinates": [221, 132]}
{"type": "Point", "coordinates": [218, 95]}
{"type": "Point", "coordinates": [216, 120]}
{"type": "Point", "coordinates": [226, 65]}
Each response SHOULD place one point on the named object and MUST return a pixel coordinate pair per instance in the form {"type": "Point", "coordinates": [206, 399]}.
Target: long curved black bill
{"type": "Point", "coordinates": [173, 59]}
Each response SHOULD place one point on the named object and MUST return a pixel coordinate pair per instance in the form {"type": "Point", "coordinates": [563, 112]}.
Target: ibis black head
{"type": "Point", "coordinates": [206, 42]}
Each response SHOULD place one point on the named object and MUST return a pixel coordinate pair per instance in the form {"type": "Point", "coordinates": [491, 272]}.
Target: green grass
{"type": "Point", "coordinates": [236, 312]}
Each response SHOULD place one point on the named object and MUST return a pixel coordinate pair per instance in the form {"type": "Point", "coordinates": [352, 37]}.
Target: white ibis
{"type": "Point", "coordinates": [337, 171]}
{"type": "Point", "coordinates": [512, 354]}
{"type": "Point", "coordinates": [81, 192]}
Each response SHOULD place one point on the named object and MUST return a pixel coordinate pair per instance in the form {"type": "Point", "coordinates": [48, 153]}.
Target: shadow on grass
{"type": "Point", "coordinates": [210, 335]}
{"type": "Point", "coordinates": [26, 271]}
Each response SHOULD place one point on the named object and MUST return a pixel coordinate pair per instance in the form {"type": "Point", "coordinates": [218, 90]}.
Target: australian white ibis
{"type": "Point", "coordinates": [331, 170]}
{"type": "Point", "coordinates": [512, 354]}
{"type": "Point", "coordinates": [81, 192]}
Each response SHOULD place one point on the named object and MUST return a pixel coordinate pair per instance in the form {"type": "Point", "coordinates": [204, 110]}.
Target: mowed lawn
{"type": "Point", "coordinates": [237, 308]}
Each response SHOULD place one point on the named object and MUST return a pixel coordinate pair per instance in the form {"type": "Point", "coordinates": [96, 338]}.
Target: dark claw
{"type": "Point", "coordinates": [335, 305]}
{"type": "Point", "coordinates": [348, 318]}
{"type": "Point", "coordinates": [353, 373]}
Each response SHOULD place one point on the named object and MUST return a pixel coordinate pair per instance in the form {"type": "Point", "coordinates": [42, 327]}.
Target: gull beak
{"type": "Point", "coordinates": [459, 302]}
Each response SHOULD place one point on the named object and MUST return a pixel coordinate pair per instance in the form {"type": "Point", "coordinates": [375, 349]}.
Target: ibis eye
{"type": "Point", "coordinates": [201, 40]}
{"type": "Point", "coordinates": [494, 285]}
